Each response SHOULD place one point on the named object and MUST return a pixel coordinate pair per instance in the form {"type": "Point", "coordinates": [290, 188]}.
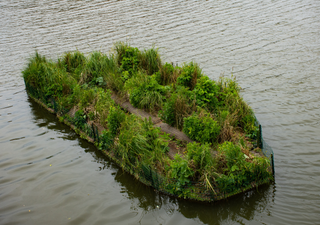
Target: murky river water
{"type": "Point", "coordinates": [48, 175]}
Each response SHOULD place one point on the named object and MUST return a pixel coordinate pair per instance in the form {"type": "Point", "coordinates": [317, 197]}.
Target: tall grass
{"type": "Point", "coordinates": [74, 63]}
{"type": "Point", "coordinates": [145, 92]}
{"type": "Point", "coordinates": [49, 79]}
{"type": "Point", "coordinates": [149, 60]}
{"type": "Point", "coordinates": [178, 106]}
{"type": "Point", "coordinates": [168, 74]}
{"type": "Point", "coordinates": [190, 73]}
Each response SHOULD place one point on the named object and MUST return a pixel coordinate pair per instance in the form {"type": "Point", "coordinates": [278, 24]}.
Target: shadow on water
{"type": "Point", "coordinates": [233, 209]}
{"type": "Point", "coordinates": [237, 208]}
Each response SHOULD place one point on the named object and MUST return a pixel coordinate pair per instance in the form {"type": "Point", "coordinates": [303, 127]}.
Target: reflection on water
{"type": "Point", "coordinates": [239, 207]}
{"type": "Point", "coordinates": [49, 175]}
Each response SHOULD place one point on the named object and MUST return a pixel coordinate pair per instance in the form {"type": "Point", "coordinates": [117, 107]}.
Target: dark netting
{"type": "Point", "coordinates": [266, 149]}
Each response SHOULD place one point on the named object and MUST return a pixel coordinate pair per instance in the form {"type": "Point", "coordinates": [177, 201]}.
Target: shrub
{"type": "Point", "coordinates": [145, 92]}
{"type": "Point", "coordinates": [189, 75]}
{"type": "Point", "coordinates": [177, 107]}
{"type": "Point", "coordinates": [206, 92]}
{"type": "Point", "coordinates": [181, 172]}
{"type": "Point", "coordinates": [149, 61]}
{"type": "Point", "coordinates": [80, 119]}
{"type": "Point", "coordinates": [73, 62]}
{"type": "Point", "coordinates": [239, 172]}
{"type": "Point", "coordinates": [167, 74]}
{"type": "Point", "coordinates": [103, 105]}
{"type": "Point", "coordinates": [201, 128]}
{"type": "Point", "coordinates": [115, 118]}
{"type": "Point", "coordinates": [200, 156]}
{"type": "Point", "coordinates": [106, 140]}
{"type": "Point", "coordinates": [87, 97]}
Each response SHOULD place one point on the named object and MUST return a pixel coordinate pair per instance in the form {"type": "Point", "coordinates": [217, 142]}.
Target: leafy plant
{"type": "Point", "coordinates": [73, 61]}
{"type": "Point", "coordinates": [189, 75]}
{"type": "Point", "coordinates": [201, 128]}
{"type": "Point", "coordinates": [181, 172]}
{"type": "Point", "coordinates": [200, 156]}
{"type": "Point", "coordinates": [115, 118]}
{"type": "Point", "coordinates": [167, 74]}
{"type": "Point", "coordinates": [206, 92]}
{"type": "Point", "coordinates": [79, 119]}
{"type": "Point", "coordinates": [149, 60]}
{"type": "Point", "coordinates": [128, 59]}
{"type": "Point", "coordinates": [106, 140]}
{"type": "Point", "coordinates": [145, 92]}
{"type": "Point", "coordinates": [177, 107]}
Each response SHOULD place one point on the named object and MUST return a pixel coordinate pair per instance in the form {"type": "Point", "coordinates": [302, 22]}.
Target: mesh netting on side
{"type": "Point", "coordinates": [266, 149]}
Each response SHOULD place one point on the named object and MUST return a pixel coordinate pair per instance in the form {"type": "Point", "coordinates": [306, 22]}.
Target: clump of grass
{"type": "Point", "coordinates": [127, 59]}
{"type": "Point", "coordinates": [149, 60]}
{"type": "Point", "coordinates": [47, 78]}
{"type": "Point", "coordinates": [103, 105]}
{"type": "Point", "coordinates": [201, 127]}
{"type": "Point", "coordinates": [228, 124]}
{"type": "Point", "coordinates": [140, 143]}
{"type": "Point", "coordinates": [206, 92]}
{"type": "Point", "coordinates": [74, 62]}
{"type": "Point", "coordinates": [120, 49]}
{"type": "Point", "coordinates": [145, 92]}
{"type": "Point", "coordinates": [179, 105]}
{"type": "Point", "coordinates": [241, 111]}
{"type": "Point", "coordinates": [200, 158]}
{"type": "Point", "coordinates": [168, 74]}
{"type": "Point", "coordinates": [236, 172]}
{"type": "Point", "coordinates": [189, 75]}
{"type": "Point", "coordinates": [115, 118]}
{"type": "Point", "coordinates": [95, 68]}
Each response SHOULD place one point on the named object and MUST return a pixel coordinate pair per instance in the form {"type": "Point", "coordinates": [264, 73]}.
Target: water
{"type": "Point", "coordinates": [48, 175]}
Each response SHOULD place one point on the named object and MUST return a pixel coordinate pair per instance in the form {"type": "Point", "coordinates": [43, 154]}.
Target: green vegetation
{"type": "Point", "coordinates": [218, 163]}
{"type": "Point", "coordinates": [201, 127]}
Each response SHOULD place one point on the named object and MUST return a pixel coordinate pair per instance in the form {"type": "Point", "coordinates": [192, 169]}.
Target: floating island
{"type": "Point", "coordinates": [170, 126]}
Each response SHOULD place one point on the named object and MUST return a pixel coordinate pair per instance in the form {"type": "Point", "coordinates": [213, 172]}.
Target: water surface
{"type": "Point", "coordinates": [48, 175]}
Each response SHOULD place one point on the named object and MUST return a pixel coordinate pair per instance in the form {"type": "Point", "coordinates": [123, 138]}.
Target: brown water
{"type": "Point", "coordinates": [48, 175]}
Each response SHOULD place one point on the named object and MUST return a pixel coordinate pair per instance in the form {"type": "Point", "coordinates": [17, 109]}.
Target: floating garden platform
{"type": "Point", "coordinates": [171, 127]}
